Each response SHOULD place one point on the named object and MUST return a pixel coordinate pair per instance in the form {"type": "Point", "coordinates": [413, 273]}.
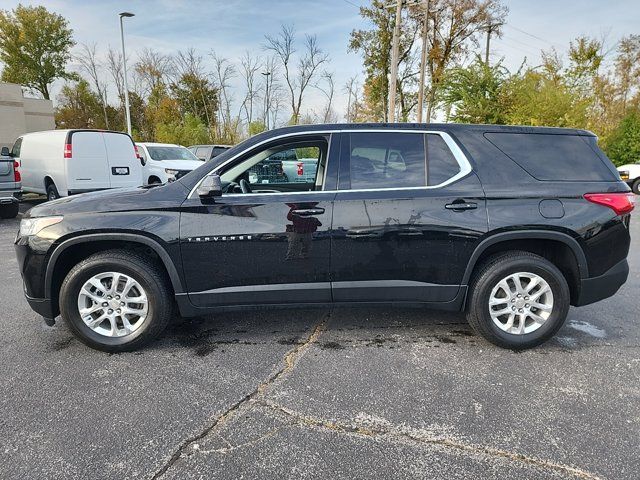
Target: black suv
{"type": "Point", "coordinates": [510, 224]}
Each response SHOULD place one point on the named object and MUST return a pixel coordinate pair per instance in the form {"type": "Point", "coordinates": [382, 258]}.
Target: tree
{"type": "Point", "coordinates": [477, 92]}
{"type": "Point", "coordinates": [375, 46]}
{"type": "Point", "coordinates": [79, 107]}
{"type": "Point", "coordinates": [297, 80]}
{"type": "Point", "coordinates": [87, 59]}
{"type": "Point", "coordinates": [453, 26]}
{"type": "Point", "coordinates": [34, 47]}
{"type": "Point", "coordinates": [623, 146]}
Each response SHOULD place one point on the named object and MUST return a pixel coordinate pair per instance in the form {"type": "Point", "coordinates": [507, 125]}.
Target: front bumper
{"type": "Point", "coordinates": [42, 306]}
{"type": "Point", "coordinates": [598, 288]}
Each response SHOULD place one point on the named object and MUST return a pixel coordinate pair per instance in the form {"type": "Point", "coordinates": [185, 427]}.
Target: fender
{"type": "Point", "coordinates": [528, 235]}
{"type": "Point", "coordinates": [176, 281]}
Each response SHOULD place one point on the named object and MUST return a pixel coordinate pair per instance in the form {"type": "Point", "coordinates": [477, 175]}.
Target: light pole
{"type": "Point", "coordinates": [124, 65]}
{"type": "Point", "coordinates": [266, 100]}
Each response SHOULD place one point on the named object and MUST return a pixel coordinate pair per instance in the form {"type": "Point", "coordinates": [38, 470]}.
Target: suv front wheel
{"type": "Point", "coordinates": [518, 300]}
{"type": "Point", "coordinates": [116, 301]}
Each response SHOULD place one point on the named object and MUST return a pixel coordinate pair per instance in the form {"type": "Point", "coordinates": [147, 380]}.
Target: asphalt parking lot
{"type": "Point", "coordinates": [348, 393]}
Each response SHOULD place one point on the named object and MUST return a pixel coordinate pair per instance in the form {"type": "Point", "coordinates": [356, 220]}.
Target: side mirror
{"type": "Point", "coordinates": [5, 152]}
{"type": "Point", "coordinates": [211, 186]}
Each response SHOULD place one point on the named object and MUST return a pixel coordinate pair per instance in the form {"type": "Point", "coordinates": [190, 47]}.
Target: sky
{"type": "Point", "coordinates": [231, 27]}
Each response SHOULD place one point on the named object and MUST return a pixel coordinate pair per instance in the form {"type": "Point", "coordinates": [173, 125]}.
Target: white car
{"type": "Point", "coordinates": [59, 163]}
{"type": "Point", "coordinates": [630, 174]}
{"type": "Point", "coordinates": [165, 162]}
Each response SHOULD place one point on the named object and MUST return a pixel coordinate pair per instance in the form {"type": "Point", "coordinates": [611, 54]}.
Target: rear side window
{"type": "Point", "coordinates": [387, 160]}
{"type": "Point", "coordinates": [553, 157]}
{"type": "Point", "coordinates": [442, 163]}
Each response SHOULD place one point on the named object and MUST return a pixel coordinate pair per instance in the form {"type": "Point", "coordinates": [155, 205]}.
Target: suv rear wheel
{"type": "Point", "coordinates": [116, 301]}
{"type": "Point", "coordinates": [518, 300]}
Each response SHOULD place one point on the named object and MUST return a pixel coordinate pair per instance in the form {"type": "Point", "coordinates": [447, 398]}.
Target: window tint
{"type": "Point", "coordinates": [553, 157]}
{"type": "Point", "coordinates": [288, 167]}
{"type": "Point", "coordinates": [387, 160]}
{"type": "Point", "coordinates": [15, 151]}
{"type": "Point", "coordinates": [202, 153]}
{"type": "Point", "coordinates": [218, 150]}
{"type": "Point", "coordinates": [170, 153]}
{"type": "Point", "coordinates": [442, 163]}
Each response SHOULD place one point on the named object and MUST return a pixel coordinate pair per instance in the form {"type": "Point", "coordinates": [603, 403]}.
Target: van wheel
{"type": "Point", "coordinates": [52, 192]}
{"type": "Point", "coordinates": [9, 211]}
{"type": "Point", "coordinates": [518, 300]}
{"type": "Point", "coordinates": [116, 301]}
{"type": "Point", "coordinates": [154, 181]}
{"type": "Point", "coordinates": [636, 186]}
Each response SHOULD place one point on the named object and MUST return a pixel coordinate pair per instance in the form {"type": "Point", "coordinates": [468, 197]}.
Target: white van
{"type": "Point", "coordinates": [165, 162]}
{"type": "Point", "coordinates": [59, 163]}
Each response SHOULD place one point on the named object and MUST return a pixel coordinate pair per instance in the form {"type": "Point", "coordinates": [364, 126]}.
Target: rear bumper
{"type": "Point", "coordinates": [598, 288]}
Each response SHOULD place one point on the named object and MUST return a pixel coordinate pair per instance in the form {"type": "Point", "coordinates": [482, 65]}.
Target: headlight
{"type": "Point", "coordinates": [32, 226]}
{"type": "Point", "coordinates": [624, 174]}
{"type": "Point", "coordinates": [173, 173]}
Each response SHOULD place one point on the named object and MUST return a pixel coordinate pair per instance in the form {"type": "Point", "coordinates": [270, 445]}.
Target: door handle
{"type": "Point", "coordinates": [307, 212]}
{"type": "Point", "coordinates": [460, 205]}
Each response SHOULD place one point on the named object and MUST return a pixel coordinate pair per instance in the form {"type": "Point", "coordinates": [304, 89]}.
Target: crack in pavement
{"type": "Point", "coordinates": [290, 360]}
{"type": "Point", "coordinates": [386, 429]}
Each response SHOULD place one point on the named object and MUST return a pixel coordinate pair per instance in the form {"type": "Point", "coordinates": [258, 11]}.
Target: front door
{"type": "Point", "coordinates": [407, 217]}
{"type": "Point", "coordinates": [266, 239]}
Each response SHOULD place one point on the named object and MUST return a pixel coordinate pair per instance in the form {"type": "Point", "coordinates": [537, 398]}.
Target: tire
{"type": "Point", "coordinates": [10, 210]}
{"type": "Point", "coordinates": [150, 280]}
{"type": "Point", "coordinates": [635, 186]}
{"type": "Point", "coordinates": [485, 286]}
{"type": "Point", "coordinates": [154, 181]}
{"type": "Point", "coordinates": [52, 192]}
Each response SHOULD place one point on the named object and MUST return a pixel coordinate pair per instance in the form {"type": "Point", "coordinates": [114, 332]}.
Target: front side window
{"type": "Point", "coordinates": [170, 153]}
{"type": "Point", "coordinates": [294, 166]}
{"type": "Point", "coordinates": [387, 160]}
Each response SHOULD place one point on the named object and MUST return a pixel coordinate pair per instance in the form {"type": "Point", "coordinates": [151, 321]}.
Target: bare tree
{"type": "Point", "coordinates": [297, 79]}
{"type": "Point", "coordinates": [189, 65]}
{"type": "Point", "coordinates": [224, 72]}
{"type": "Point", "coordinates": [328, 90]}
{"type": "Point", "coordinates": [153, 68]}
{"type": "Point", "coordinates": [87, 58]}
{"type": "Point", "coordinates": [250, 66]}
{"type": "Point", "coordinates": [114, 65]}
{"type": "Point", "coordinates": [352, 88]}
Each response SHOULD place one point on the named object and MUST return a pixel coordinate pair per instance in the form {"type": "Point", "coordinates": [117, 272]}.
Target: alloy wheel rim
{"type": "Point", "coordinates": [521, 303]}
{"type": "Point", "coordinates": [113, 304]}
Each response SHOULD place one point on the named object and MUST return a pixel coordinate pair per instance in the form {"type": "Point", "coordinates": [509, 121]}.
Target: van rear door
{"type": "Point", "coordinates": [87, 169]}
{"type": "Point", "coordinates": [124, 167]}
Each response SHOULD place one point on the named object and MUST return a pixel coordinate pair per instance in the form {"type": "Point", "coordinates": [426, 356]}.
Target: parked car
{"type": "Point", "coordinates": [630, 174]}
{"type": "Point", "coordinates": [165, 162]}
{"type": "Point", "coordinates": [510, 224]}
{"type": "Point", "coordinates": [208, 152]}
{"type": "Point", "coordinates": [59, 163]}
{"type": "Point", "coordinates": [9, 185]}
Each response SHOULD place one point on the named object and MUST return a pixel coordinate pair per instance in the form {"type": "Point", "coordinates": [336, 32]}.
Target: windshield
{"type": "Point", "coordinates": [170, 153]}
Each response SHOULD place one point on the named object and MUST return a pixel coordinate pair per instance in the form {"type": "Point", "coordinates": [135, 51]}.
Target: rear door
{"type": "Point", "coordinates": [124, 168]}
{"type": "Point", "coordinates": [87, 169]}
{"type": "Point", "coordinates": [407, 217]}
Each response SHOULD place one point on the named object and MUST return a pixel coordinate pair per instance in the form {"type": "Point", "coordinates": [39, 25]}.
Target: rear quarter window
{"type": "Point", "coordinates": [554, 157]}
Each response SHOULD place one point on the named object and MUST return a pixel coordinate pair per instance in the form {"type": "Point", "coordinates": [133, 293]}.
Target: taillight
{"type": "Point", "coordinates": [16, 173]}
{"type": "Point", "coordinates": [619, 202]}
{"type": "Point", "coordinates": [67, 150]}
{"type": "Point", "coordinates": [300, 169]}
{"type": "Point", "coordinates": [137, 152]}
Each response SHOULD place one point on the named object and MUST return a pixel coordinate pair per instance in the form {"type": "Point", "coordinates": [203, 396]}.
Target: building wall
{"type": "Point", "coordinates": [19, 115]}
